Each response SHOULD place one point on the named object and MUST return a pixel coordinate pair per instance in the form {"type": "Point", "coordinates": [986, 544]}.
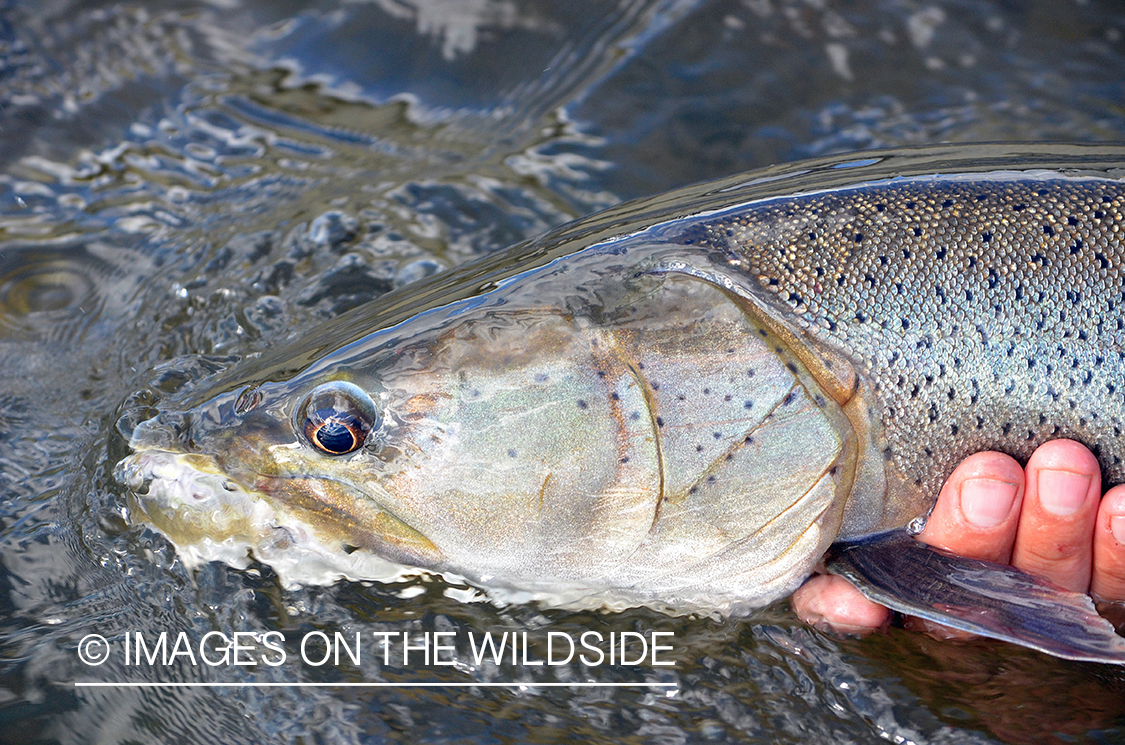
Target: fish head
{"type": "Point", "coordinates": [637, 428]}
{"type": "Point", "coordinates": [501, 443]}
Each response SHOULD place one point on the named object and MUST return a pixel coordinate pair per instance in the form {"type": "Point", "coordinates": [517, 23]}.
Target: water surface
{"type": "Point", "coordinates": [183, 184]}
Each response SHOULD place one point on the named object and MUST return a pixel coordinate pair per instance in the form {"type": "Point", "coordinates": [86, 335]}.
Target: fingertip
{"type": "Point", "coordinates": [1108, 579]}
{"type": "Point", "coordinates": [1059, 515]}
{"type": "Point", "coordinates": [978, 509]}
{"type": "Point", "coordinates": [1067, 455]}
{"type": "Point", "coordinates": [831, 603]}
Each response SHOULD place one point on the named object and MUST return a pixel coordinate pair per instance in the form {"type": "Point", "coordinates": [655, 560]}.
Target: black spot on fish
{"type": "Point", "coordinates": [982, 197]}
{"type": "Point", "coordinates": [693, 490]}
{"type": "Point", "coordinates": [1103, 262]}
{"type": "Point", "coordinates": [1098, 214]}
{"type": "Point", "coordinates": [858, 237]}
{"type": "Point", "coordinates": [635, 416]}
{"type": "Point", "coordinates": [747, 404]}
{"type": "Point", "coordinates": [888, 454]}
{"type": "Point", "coordinates": [812, 236]}
{"type": "Point", "coordinates": [542, 377]}
{"type": "Point", "coordinates": [710, 479]}
{"type": "Point", "coordinates": [659, 421]}
{"type": "Point", "coordinates": [717, 435]}
{"type": "Point", "coordinates": [905, 323]}
{"type": "Point", "coordinates": [625, 459]}
{"type": "Point", "coordinates": [791, 366]}
{"type": "Point", "coordinates": [947, 203]}
{"type": "Point", "coordinates": [748, 440]}
{"type": "Point", "coordinates": [706, 391]}
{"type": "Point", "coordinates": [910, 205]}
{"type": "Point", "coordinates": [1048, 230]}
{"type": "Point", "coordinates": [881, 207]}
{"type": "Point", "coordinates": [986, 236]}
{"type": "Point", "coordinates": [511, 453]}
{"type": "Point", "coordinates": [615, 396]}
{"type": "Point", "coordinates": [699, 448]}
{"type": "Point", "coordinates": [790, 398]}
{"type": "Point", "coordinates": [582, 404]}
{"type": "Point", "coordinates": [940, 253]}
{"type": "Point", "coordinates": [681, 397]}
{"type": "Point", "coordinates": [1072, 220]}
{"type": "Point", "coordinates": [655, 386]}
{"type": "Point", "coordinates": [1019, 207]}
{"type": "Point", "coordinates": [1006, 428]}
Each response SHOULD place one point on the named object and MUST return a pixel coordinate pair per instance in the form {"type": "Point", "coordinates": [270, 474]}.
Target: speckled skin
{"type": "Point", "coordinates": [982, 313]}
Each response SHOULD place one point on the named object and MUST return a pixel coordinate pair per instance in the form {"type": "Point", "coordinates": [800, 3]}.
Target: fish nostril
{"type": "Point", "coordinates": [177, 422]}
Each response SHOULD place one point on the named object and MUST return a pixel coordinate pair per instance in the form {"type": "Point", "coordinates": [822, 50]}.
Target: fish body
{"type": "Point", "coordinates": [685, 413]}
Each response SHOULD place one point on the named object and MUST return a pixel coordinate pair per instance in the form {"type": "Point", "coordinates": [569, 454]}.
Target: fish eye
{"type": "Point", "coordinates": [337, 417]}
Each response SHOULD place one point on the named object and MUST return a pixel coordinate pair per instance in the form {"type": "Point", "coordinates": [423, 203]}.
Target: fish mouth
{"type": "Point", "coordinates": [188, 496]}
{"type": "Point", "coordinates": [210, 517]}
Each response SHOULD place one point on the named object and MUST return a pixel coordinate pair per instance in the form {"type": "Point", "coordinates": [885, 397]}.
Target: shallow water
{"type": "Point", "coordinates": [187, 183]}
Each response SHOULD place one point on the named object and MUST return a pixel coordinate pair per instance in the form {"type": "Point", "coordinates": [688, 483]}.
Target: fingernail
{"type": "Point", "coordinates": [1062, 493]}
{"type": "Point", "coordinates": [1117, 525]}
{"type": "Point", "coordinates": [987, 502]}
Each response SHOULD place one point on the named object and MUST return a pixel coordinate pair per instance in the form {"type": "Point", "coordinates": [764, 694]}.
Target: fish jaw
{"type": "Point", "coordinates": [210, 517]}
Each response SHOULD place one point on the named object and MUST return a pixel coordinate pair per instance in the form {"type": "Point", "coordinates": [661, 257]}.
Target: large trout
{"type": "Point", "coordinates": [685, 402]}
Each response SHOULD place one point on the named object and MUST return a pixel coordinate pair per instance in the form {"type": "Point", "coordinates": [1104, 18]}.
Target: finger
{"type": "Point", "coordinates": [978, 509]}
{"type": "Point", "coordinates": [1056, 528]}
{"type": "Point", "coordinates": [1108, 581]}
{"type": "Point", "coordinates": [830, 601]}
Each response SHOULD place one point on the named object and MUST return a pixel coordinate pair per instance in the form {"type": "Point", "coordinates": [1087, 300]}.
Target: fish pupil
{"type": "Point", "coordinates": [336, 437]}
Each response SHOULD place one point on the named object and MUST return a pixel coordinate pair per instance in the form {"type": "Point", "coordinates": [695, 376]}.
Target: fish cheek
{"type": "Point", "coordinates": [540, 463]}
{"type": "Point", "coordinates": [345, 518]}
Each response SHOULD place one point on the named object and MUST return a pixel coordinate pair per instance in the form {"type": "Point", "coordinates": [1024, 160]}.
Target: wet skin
{"type": "Point", "coordinates": [1049, 519]}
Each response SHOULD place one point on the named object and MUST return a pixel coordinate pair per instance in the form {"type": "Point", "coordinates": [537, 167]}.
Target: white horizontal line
{"type": "Point", "coordinates": [372, 685]}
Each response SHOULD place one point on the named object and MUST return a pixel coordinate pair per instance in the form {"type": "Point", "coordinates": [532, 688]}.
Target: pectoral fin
{"type": "Point", "coordinates": [981, 597]}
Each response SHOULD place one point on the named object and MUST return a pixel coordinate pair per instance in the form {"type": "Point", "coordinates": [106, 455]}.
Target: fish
{"type": "Point", "coordinates": [688, 402]}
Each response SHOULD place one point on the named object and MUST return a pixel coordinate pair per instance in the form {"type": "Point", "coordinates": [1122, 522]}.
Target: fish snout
{"type": "Point", "coordinates": [168, 430]}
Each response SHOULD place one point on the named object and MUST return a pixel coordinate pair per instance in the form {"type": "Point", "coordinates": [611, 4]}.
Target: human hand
{"type": "Point", "coordinates": [1049, 520]}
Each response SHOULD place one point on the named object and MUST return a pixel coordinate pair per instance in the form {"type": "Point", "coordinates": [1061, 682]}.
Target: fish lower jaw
{"type": "Point", "coordinates": [209, 517]}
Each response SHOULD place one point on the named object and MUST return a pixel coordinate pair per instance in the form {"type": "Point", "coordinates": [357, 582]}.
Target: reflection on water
{"type": "Point", "coordinates": [184, 183]}
{"type": "Point", "coordinates": [51, 293]}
